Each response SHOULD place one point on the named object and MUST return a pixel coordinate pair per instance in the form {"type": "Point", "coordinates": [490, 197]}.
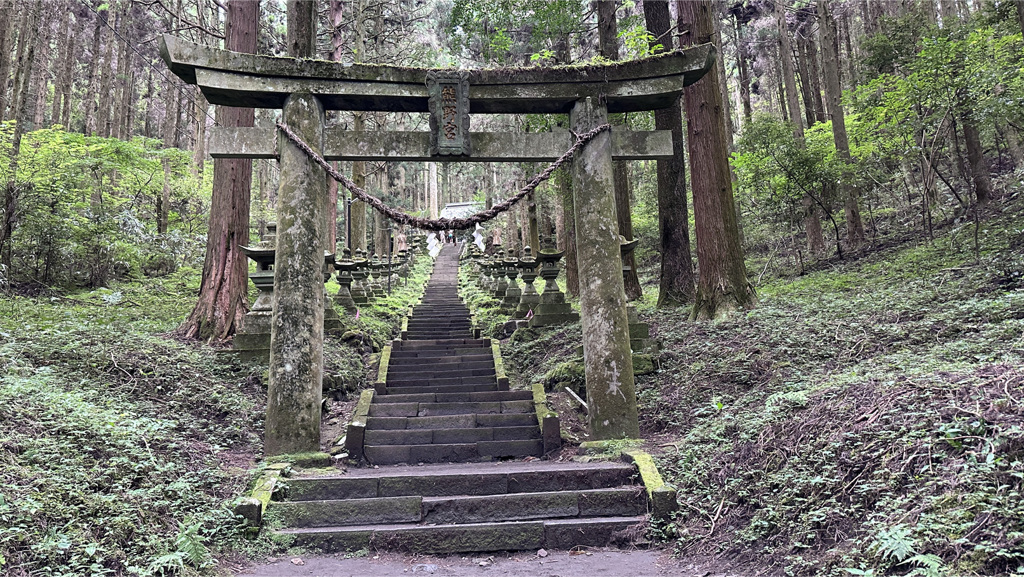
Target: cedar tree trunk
{"type": "Point", "coordinates": [222, 299]}
{"type": "Point", "coordinates": [722, 286]}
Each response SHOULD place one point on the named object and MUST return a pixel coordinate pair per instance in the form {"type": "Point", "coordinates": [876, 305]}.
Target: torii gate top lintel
{"type": "Point", "coordinates": [236, 79]}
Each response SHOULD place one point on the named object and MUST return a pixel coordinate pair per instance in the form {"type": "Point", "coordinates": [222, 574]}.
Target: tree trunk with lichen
{"type": "Point", "coordinates": [722, 286]}
{"type": "Point", "coordinates": [677, 277]}
{"type": "Point", "coordinates": [222, 301]}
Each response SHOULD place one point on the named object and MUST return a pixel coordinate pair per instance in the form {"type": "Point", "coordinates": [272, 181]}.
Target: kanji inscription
{"type": "Point", "coordinates": [449, 114]}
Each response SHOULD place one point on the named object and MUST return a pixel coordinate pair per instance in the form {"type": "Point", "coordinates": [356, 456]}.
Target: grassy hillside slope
{"type": "Point", "coordinates": [864, 419]}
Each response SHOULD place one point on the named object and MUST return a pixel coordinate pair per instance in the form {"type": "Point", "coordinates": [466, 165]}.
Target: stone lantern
{"type": "Point", "coordinates": [530, 297]}
{"type": "Point", "coordinates": [500, 280]}
{"type": "Point", "coordinates": [510, 300]}
{"type": "Point", "coordinates": [346, 266]}
{"type": "Point", "coordinates": [358, 290]}
{"type": "Point", "coordinates": [639, 333]}
{"type": "Point", "coordinates": [552, 310]}
{"type": "Point", "coordinates": [252, 341]}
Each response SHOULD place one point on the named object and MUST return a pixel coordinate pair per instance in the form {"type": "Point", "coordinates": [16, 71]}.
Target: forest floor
{"type": "Point", "coordinates": [866, 418]}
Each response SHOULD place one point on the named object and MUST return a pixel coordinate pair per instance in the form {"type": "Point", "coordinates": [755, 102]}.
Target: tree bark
{"type": "Point", "coordinates": [432, 189]}
{"type": "Point", "coordinates": [833, 95]}
{"type": "Point", "coordinates": [722, 286]}
{"type": "Point", "coordinates": [301, 35]}
{"type": "Point", "coordinates": [40, 70]}
{"type": "Point", "coordinates": [744, 71]}
{"type": "Point", "coordinates": [222, 302]}
{"type": "Point", "coordinates": [21, 121]}
{"type": "Point", "coordinates": [26, 38]}
{"type": "Point", "coordinates": [811, 219]}
{"type": "Point", "coordinates": [6, 37]}
{"type": "Point", "coordinates": [62, 66]}
{"type": "Point", "coordinates": [572, 274]}
{"type": "Point", "coordinates": [976, 159]}
{"type": "Point", "coordinates": [106, 73]}
{"type": "Point", "coordinates": [676, 286]}
{"type": "Point", "coordinates": [90, 82]}
{"type": "Point", "coordinates": [607, 29]}
{"type": "Point", "coordinates": [1020, 14]}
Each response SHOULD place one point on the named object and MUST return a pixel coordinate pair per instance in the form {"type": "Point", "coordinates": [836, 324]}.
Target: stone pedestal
{"type": "Point", "coordinates": [252, 341]}
{"type": "Point", "coordinates": [510, 301]}
{"type": "Point", "coordinates": [297, 339]}
{"type": "Point", "coordinates": [607, 359]}
{"type": "Point", "coordinates": [332, 320]}
{"type": "Point", "coordinates": [552, 309]}
{"type": "Point", "coordinates": [345, 268]}
{"type": "Point", "coordinates": [639, 333]}
{"type": "Point", "coordinates": [530, 297]}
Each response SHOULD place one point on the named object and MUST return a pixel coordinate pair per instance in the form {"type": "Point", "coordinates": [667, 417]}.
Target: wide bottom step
{"type": "Point", "coordinates": [439, 539]}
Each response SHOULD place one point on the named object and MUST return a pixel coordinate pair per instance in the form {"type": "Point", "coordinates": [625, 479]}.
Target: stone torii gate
{"type": "Point", "coordinates": [304, 89]}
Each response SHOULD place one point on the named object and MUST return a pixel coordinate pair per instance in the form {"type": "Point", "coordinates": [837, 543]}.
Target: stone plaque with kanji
{"type": "Point", "coordinates": [449, 113]}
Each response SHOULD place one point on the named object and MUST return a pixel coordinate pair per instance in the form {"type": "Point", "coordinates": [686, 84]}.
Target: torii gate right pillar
{"type": "Point", "coordinates": [607, 359]}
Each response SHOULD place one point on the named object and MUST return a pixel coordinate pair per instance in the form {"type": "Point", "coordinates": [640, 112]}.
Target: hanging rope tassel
{"type": "Point", "coordinates": [441, 223]}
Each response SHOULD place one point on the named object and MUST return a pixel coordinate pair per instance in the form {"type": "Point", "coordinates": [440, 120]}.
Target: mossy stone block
{"type": "Point", "coordinates": [643, 364]}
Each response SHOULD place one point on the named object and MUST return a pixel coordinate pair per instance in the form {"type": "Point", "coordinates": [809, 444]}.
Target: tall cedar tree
{"type": "Point", "coordinates": [812, 225]}
{"type": "Point", "coordinates": [609, 48]}
{"type": "Point", "coordinates": [222, 294]}
{"type": "Point", "coordinates": [722, 286]}
{"type": "Point", "coordinates": [677, 278]}
{"type": "Point", "coordinates": [833, 97]}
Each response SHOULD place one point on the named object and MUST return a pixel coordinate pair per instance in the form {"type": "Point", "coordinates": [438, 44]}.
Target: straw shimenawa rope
{"type": "Point", "coordinates": [440, 223]}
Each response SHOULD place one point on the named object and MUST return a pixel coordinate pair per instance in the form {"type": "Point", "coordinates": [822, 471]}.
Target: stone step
{"type": "Point", "coordinates": [462, 479]}
{"type": "Point", "coordinates": [449, 436]}
{"type": "Point", "coordinates": [427, 381]}
{"type": "Point", "coordinates": [452, 452]}
{"type": "Point", "coordinates": [407, 371]}
{"type": "Point", "coordinates": [456, 421]}
{"type": "Point", "coordinates": [443, 366]}
{"type": "Point", "coordinates": [456, 397]}
{"type": "Point", "coordinates": [435, 325]}
{"type": "Point", "coordinates": [470, 537]}
{"type": "Point", "coordinates": [614, 502]}
{"type": "Point", "coordinates": [443, 343]}
{"type": "Point", "coordinates": [425, 359]}
{"type": "Point", "coordinates": [440, 409]}
{"type": "Point", "coordinates": [463, 509]}
{"type": "Point", "coordinates": [424, 334]}
{"type": "Point", "coordinates": [438, 352]}
{"type": "Point", "coordinates": [442, 389]}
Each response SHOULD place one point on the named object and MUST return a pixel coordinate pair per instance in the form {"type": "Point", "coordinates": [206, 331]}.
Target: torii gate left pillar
{"type": "Point", "coordinates": [297, 332]}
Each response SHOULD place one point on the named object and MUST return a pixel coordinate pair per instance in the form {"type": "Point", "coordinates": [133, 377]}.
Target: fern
{"type": "Point", "coordinates": [895, 544]}
{"type": "Point", "coordinates": [927, 565]}
{"type": "Point", "coordinates": [190, 546]}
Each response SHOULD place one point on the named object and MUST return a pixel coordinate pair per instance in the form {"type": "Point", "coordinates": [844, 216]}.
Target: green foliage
{"type": "Point", "coordinates": [503, 31]}
{"type": "Point", "coordinates": [119, 447]}
{"type": "Point", "coordinates": [84, 211]}
{"type": "Point", "coordinates": [774, 170]}
{"type": "Point", "coordinates": [865, 420]}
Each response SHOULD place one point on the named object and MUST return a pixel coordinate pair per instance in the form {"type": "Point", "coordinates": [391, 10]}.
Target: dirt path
{"type": "Point", "coordinates": [596, 563]}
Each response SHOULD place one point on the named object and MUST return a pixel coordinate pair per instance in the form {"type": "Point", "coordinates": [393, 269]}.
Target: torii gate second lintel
{"type": "Point", "coordinates": [304, 89]}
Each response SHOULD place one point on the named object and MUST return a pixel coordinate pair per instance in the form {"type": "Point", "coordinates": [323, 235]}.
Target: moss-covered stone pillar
{"type": "Point", "coordinates": [607, 359]}
{"type": "Point", "coordinates": [297, 332]}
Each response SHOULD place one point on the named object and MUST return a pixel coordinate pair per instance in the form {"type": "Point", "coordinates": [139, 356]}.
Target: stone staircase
{"type": "Point", "coordinates": [446, 408]}
{"type": "Point", "coordinates": [464, 507]}
{"type": "Point", "coordinates": [442, 401]}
